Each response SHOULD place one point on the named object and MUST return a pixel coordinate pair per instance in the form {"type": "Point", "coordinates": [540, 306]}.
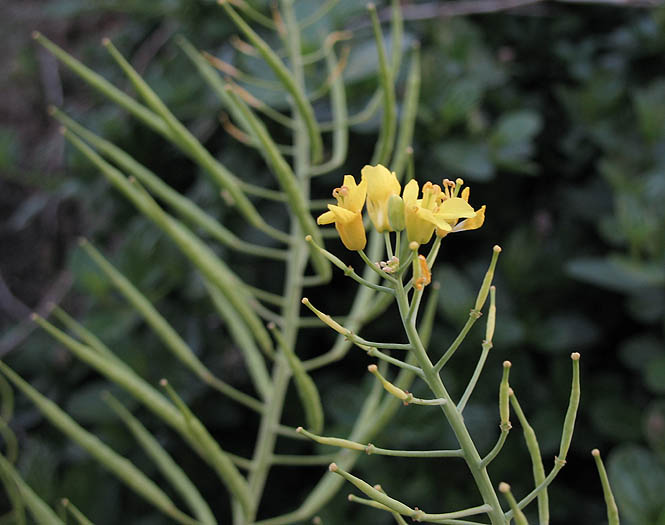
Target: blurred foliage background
{"type": "Point", "coordinates": [553, 112]}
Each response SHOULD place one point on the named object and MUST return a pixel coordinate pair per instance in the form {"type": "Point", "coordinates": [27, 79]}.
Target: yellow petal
{"type": "Point", "coordinates": [473, 223]}
{"type": "Point", "coordinates": [410, 195]}
{"type": "Point", "coordinates": [455, 208]}
{"type": "Point", "coordinates": [381, 185]}
{"type": "Point", "coordinates": [352, 233]}
{"type": "Point", "coordinates": [326, 218]}
{"type": "Point", "coordinates": [434, 218]}
{"type": "Point", "coordinates": [342, 215]}
{"type": "Point", "coordinates": [355, 199]}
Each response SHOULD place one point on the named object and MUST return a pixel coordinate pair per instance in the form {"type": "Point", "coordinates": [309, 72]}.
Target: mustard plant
{"type": "Point", "coordinates": [398, 241]}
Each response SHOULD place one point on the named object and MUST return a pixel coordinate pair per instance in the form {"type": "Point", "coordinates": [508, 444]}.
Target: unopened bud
{"type": "Point", "coordinates": [396, 213]}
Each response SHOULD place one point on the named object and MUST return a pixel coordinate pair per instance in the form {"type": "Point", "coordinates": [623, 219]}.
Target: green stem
{"type": "Point", "coordinates": [474, 378]}
{"type": "Point", "coordinates": [453, 416]}
{"type": "Point", "coordinates": [295, 268]}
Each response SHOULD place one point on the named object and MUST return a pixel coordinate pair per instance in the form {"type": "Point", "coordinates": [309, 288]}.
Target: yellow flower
{"type": "Point", "coordinates": [470, 223]}
{"type": "Point", "coordinates": [347, 214]}
{"type": "Point", "coordinates": [417, 212]}
{"type": "Point", "coordinates": [381, 184]}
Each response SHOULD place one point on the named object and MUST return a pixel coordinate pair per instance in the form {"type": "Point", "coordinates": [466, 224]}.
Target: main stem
{"type": "Point", "coordinates": [453, 416]}
{"type": "Point", "coordinates": [295, 268]}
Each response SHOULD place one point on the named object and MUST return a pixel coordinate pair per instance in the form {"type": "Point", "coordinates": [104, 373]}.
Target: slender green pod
{"type": "Point", "coordinates": [164, 462]}
{"type": "Point", "coordinates": [80, 518]}
{"type": "Point", "coordinates": [518, 515]}
{"type": "Point", "coordinates": [212, 78]}
{"type": "Point", "coordinates": [182, 137]}
{"type": "Point", "coordinates": [573, 405]}
{"type": "Point", "coordinates": [256, 364]}
{"type": "Point", "coordinates": [373, 493]}
{"type": "Point", "coordinates": [11, 443]}
{"type": "Point", "coordinates": [340, 139]}
{"type": "Point", "coordinates": [213, 453]}
{"type": "Point", "coordinates": [118, 465]}
{"type": "Point", "coordinates": [491, 317]}
{"type": "Point", "coordinates": [6, 400]}
{"type": "Point", "coordinates": [82, 332]}
{"type": "Point", "coordinates": [196, 251]}
{"type": "Point", "coordinates": [487, 281]}
{"type": "Point", "coordinates": [96, 81]}
{"type": "Point", "coordinates": [196, 435]}
{"type": "Point", "coordinates": [176, 344]}
{"type": "Point", "coordinates": [183, 206]}
{"type": "Point", "coordinates": [285, 76]}
{"type": "Point", "coordinates": [119, 373]}
{"type": "Point", "coordinates": [307, 390]}
{"type": "Point", "coordinates": [536, 459]}
{"type": "Point", "coordinates": [504, 396]}
{"type": "Point", "coordinates": [384, 146]}
{"type": "Point", "coordinates": [409, 113]}
{"type": "Point", "coordinates": [287, 180]}
{"type": "Point", "coordinates": [610, 503]}
{"type": "Point", "coordinates": [40, 511]}
{"type": "Point", "coordinates": [154, 121]}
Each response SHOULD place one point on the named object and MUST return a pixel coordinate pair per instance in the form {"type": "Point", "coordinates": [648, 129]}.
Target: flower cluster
{"type": "Point", "coordinates": [438, 210]}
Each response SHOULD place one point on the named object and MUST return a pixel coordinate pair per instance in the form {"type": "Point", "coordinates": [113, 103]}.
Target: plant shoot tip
{"type": "Point", "coordinates": [511, 392]}
{"type": "Point", "coordinates": [371, 6]}
{"type": "Point", "coordinates": [350, 497]}
{"type": "Point", "coordinates": [372, 368]}
{"type": "Point", "coordinates": [34, 316]}
{"type": "Point", "coordinates": [64, 501]}
{"type": "Point", "coordinates": [62, 130]}
{"type": "Point", "coordinates": [497, 248]}
{"type": "Point", "coordinates": [299, 430]}
{"type": "Point", "coordinates": [409, 150]}
{"type": "Point", "coordinates": [82, 241]}
{"type": "Point", "coordinates": [308, 238]}
{"type": "Point", "coordinates": [35, 34]}
{"type": "Point", "coordinates": [507, 364]}
{"type": "Point", "coordinates": [595, 452]}
{"type": "Point", "coordinates": [271, 325]}
{"type": "Point", "coordinates": [413, 246]}
{"type": "Point", "coordinates": [504, 487]}
{"type": "Point", "coordinates": [304, 300]}
{"type": "Point", "coordinates": [333, 467]}
{"type": "Point", "coordinates": [575, 356]}
{"type": "Point", "coordinates": [51, 109]}
{"type": "Point", "coordinates": [163, 382]}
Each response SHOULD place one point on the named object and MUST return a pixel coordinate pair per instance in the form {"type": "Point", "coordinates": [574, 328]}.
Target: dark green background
{"type": "Point", "coordinates": [554, 113]}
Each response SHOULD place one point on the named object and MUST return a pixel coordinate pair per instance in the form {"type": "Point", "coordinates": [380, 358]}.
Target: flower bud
{"type": "Point", "coordinates": [396, 213]}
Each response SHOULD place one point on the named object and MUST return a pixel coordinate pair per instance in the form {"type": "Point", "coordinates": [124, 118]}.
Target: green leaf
{"type": "Point", "coordinates": [466, 159]}
{"type": "Point", "coordinates": [457, 294]}
{"type": "Point", "coordinates": [615, 273]}
{"type": "Point", "coordinates": [654, 375]}
{"type": "Point", "coordinates": [623, 427]}
{"type": "Point", "coordinates": [638, 351]}
{"type": "Point", "coordinates": [654, 427]}
{"type": "Point", "coordinates": [565, 333]}
{"type": "Point", "coordinates": [516, 126]}
{"type": "Point", "coordinates": [650, 108]}
{"type": "Point", "coordinates": [638, 480]}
